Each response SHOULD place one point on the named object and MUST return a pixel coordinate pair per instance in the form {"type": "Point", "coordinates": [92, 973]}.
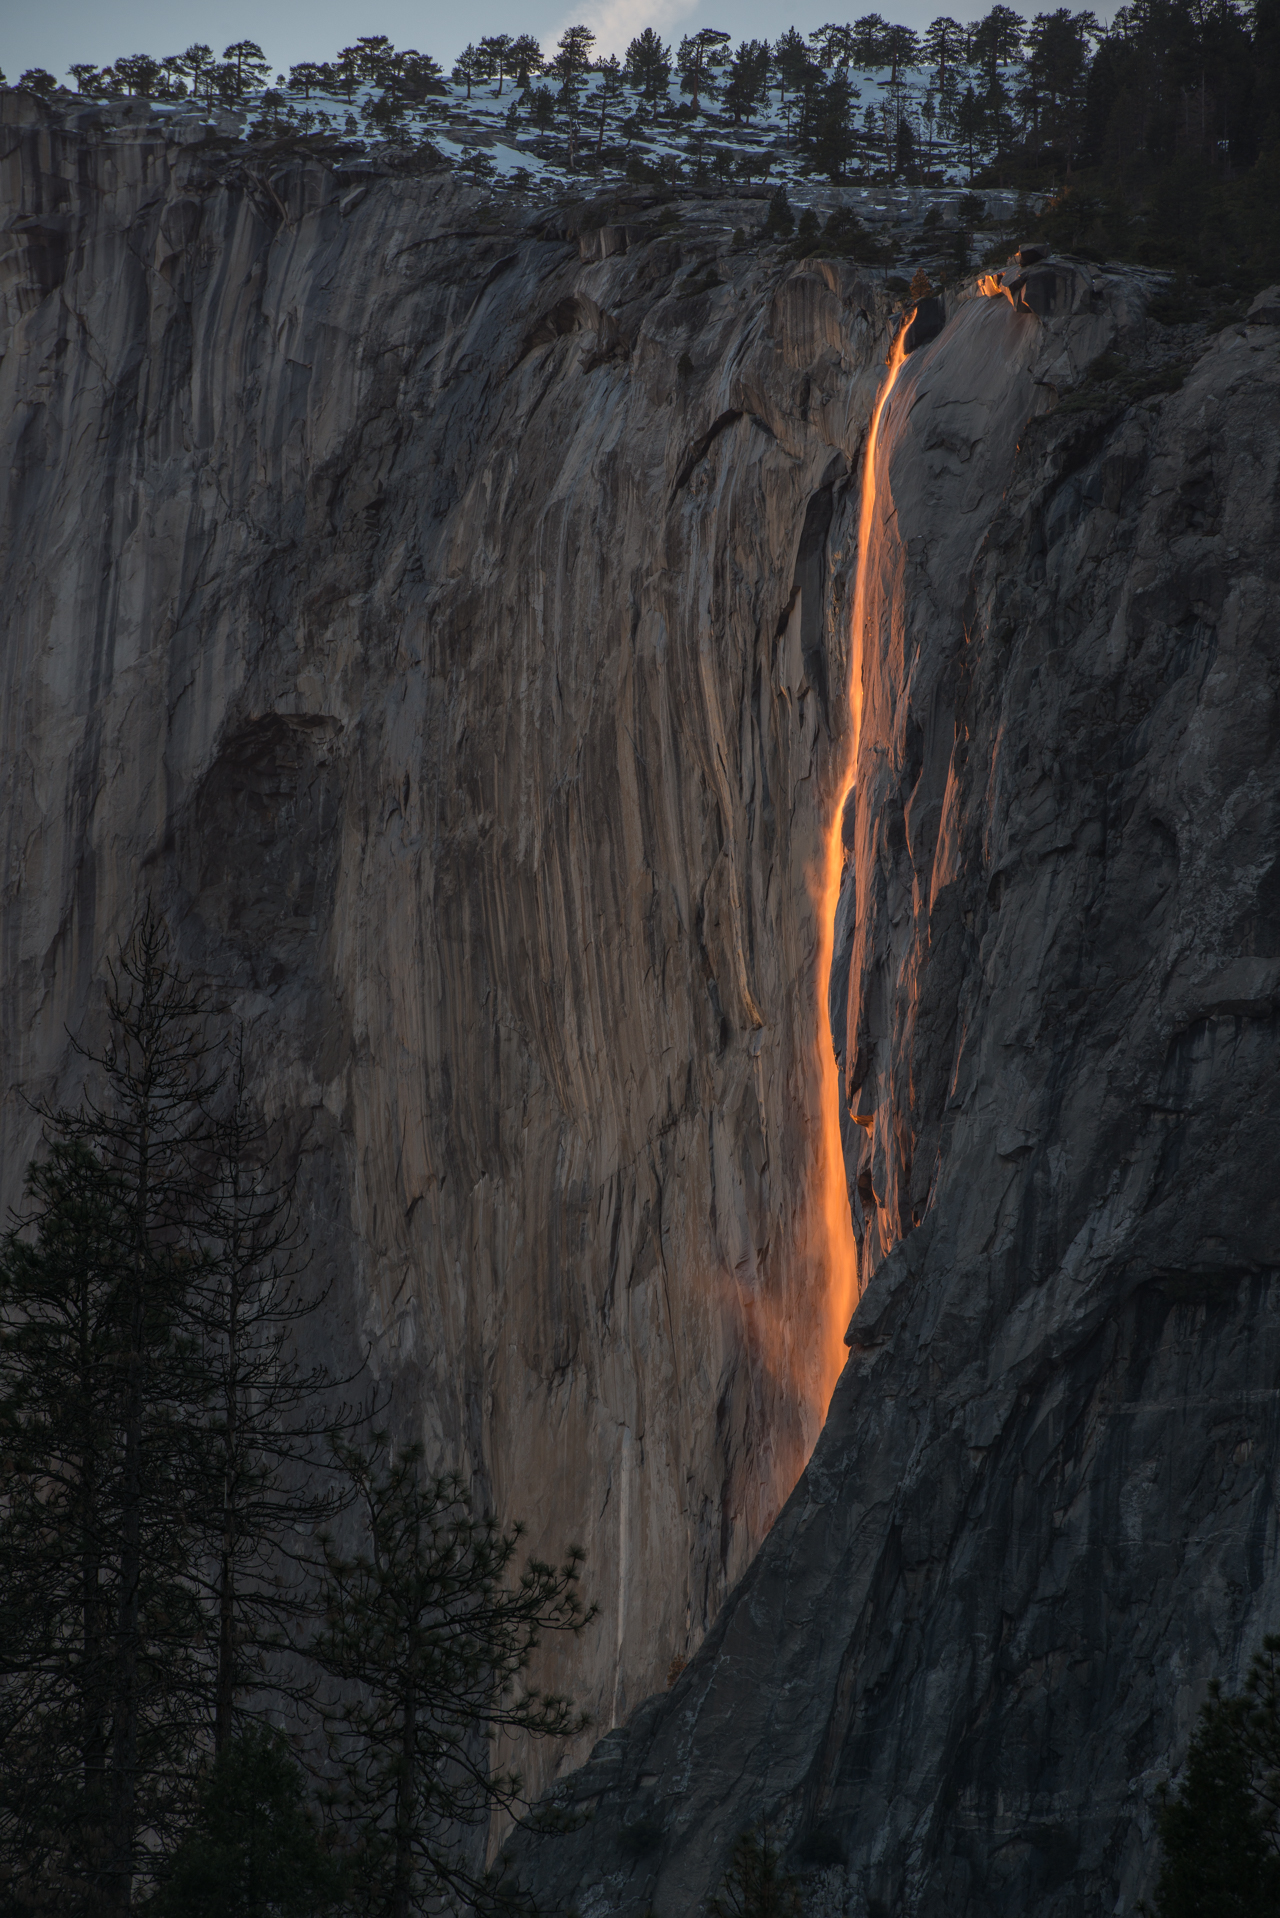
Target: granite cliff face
{"type": "Point", "coordinates": [426, 605]}
{"type": "Point", "coordinates": [445, 615]}
{"type": "Point", "coordinates": [1043, 1511]}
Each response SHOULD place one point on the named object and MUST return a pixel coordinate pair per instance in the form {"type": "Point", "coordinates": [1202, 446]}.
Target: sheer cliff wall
{"type": "Point", "coordinates": [428, 608]}
{"type": "Point", "coordinates": [444, 616]}
{"type": "Point", "coordinates": [1042, 1514]}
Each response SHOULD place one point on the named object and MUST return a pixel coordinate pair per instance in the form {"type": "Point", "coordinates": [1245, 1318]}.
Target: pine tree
{"type": "Point", "coordinates": [101, 1391]}
{"type": "Point", "coordinates": [412, 75]}
{"type": "Point", "coordinates": [495, 51]}
{"type": "Point", "coordinates": [253, 1848]}
{"type": "Point", "coordinates": [833, 47]}
{"type": "Point", "coordinates": [373, 52]}
{"type": "Point", "coordinates": [869, 34]}
{"type": "Point", "coordinates": [347, 69]}
{"type": "Point", "coordinates": [610, 93]}
{"type": "Point", "coordinates": [266, 1414]}
{"type": "Point", "coordinates": [995, 41]}
{"type": "Point", "coordinates": [1221, 1833]}
{"type": "Point", "coordinates": [199, 62]}
{"type": "Point", "coordinates": [943, 46]}
{"type": "Point", "coordinates": [429, 1644]}
{"type": "Point", "coordinates": [748, 82]}
{"type": "Point", "coordinates": [790, 59]}
{"type": "Point", "coordinates": [170, 85]}
{"type": "Point", "coordinates": [525, 59]}
{"type": "Point", "coordinates": [138, 72]}
{"type": "Point", "coordinates": [160, 1444]}
{"type": "Point", "coordinates": [699, 56]}
{"type": "Point", "coordinates": [250, 63]}
{"type": "Point", "coordinates": [270, 110]}
{"type": "Point", "coordinates": [830, 137]}
{"type": "Point", "coordinates": [571, 64]}
{"type": "Point", "coordinates": [1052, 95]}
{"type": "Point", "coordinates": [307, 74]}
{"type": "Point", "coordinates": [469, 67]}
{"type": "Point", "coordinates": [225, 84]}
{"type": "Point", "coordinates": [970, 122]}
{"type": "Point", "coordinates": [62, 1353]}
{"type": "Point", "coordinates": [648, 67]}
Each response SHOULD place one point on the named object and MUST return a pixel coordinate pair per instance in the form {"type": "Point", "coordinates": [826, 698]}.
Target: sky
{"type": "Point", "coordinates": [55, 33]}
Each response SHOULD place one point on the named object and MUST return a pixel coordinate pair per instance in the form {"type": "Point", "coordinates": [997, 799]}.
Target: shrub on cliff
{"type": "Point", "coordinates": [755, 1885]}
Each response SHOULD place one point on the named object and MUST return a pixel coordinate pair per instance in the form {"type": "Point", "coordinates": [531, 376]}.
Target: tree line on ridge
{"type": "Point", "coordinates": [1156, 136]}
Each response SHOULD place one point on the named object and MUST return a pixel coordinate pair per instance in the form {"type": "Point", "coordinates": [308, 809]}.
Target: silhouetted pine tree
{"type": "Point", "coordinates": [429, 1644]}
{"type": "Point", "coordinates": [1221, 1832]}
{"type": "Point", "coordinates": [266, 1412]}
{"type": "Point", "coordinates": [158, 1435]}
{"type": "Point", "coordinates": [254, 1847]}
{"type": "Point", "coordinates": [648, 67]}
{"type": "Point", "coordinates": [101, 1394]}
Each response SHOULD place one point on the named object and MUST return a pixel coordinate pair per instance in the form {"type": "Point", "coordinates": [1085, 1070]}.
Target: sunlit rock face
{"type": "Point", "coordinates": [445, 618]}
{"type": "Point", "coordinates": [429, 609]}
{"type": "Point", "coordinates": [1042, 1513]}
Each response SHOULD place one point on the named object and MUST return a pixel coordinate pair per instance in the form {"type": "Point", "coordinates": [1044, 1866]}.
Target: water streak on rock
{"type": "Point", "coordinates": [837, 1225]}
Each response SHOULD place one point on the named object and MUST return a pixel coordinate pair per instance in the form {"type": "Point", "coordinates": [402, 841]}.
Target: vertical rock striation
{"type": "Point", "coordinates": [1043, 1511]}
{"type": "Point", "coordinates": [444, 615]}
{"type": "Point", "coordinates": [427, 606]}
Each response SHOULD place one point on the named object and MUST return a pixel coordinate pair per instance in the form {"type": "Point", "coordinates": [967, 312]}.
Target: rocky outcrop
{"type": "Point", "coordinates": [424, 600]}
{"type": "Point", "coordinates": [1043, 1511]}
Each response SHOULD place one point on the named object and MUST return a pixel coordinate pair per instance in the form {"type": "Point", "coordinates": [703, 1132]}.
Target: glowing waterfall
{"type": "Point", "coordinates": [834, 1223]}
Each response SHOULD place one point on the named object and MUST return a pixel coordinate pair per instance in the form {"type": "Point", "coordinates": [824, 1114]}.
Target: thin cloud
{"type": "Point", "coordinates": [615, 23]}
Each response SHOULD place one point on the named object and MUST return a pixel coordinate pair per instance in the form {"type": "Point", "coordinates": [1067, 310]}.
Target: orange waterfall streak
{"type": "Point", "coordinates": [840, 1255]}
